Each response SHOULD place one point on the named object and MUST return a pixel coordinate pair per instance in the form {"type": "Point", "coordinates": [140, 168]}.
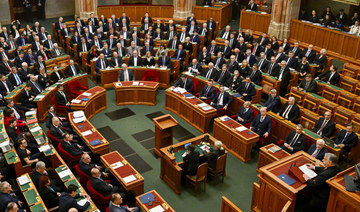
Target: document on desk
{"type": "Point", "coordinates": [202, 105]}
{"type": "Point", "coordinates": [129, 178]}
{"type": "Point", "coordinates": [23, 180]}
{"type": "Point", "coordinates": [5, 143]}
{"type": "Point", "coordinates": [30, 113]}
{"type": "Point", "coordinates": [242, 128]}
{"type": "Point", "coordinates": [225, 118]}
{"type": "Point", "coordinates": [82, 202]}
{"type": "Point", "coordinates": [136, 83]}
{"type": "Point", "coordinates": [78, 120]}
{"type": "Point", "coordinates": [116, 165]}
{"type": "Point", "coordinates": [79, 113]}
{"type": "Point", "coordinates": [86, 94]}
{"type": "Point", "coordinates": [76, 101]}
{"type": "Point", "coordinates": [65, 173]}
{"type": "Point", "coordinates": [118, 84]}
{"type": "Point", "coordinates": [207, 108]}
{"type": "Point", "coordinates": [44, 148]}
{"type": "Point", "coordinates": [86, 133]}
{"type": "Point", "coordinates": [158, 208]}
{"type": "Point", "coordinates": [307, 171]}
{"type": "Point", "coordinates": [35, 129]}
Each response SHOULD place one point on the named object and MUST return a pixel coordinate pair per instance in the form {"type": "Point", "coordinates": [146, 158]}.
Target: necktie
{"type": "Point", "coordinates": [12, 44]}
{"type": "Point", "coordinates": [307, 53]}
{"type": "Point", "coordinates": [294, 140]}
{"type": "Point", "coordinates": [287, 62]}
{"type": "Point", "coordinates": [37, 87]}
{"type": "Point", "coordinates": [343, 140]}
{"type": "Point", "coordinates": [207, 90]}
{"type": "Point", "coordinates": [173, 44]}
{"type": "Point", "coordinates": [18, 81]}
{"type": "Point", "coordinates": [203, 32]}
{"type": "Point", "coordinates": [63, 94]}
{"type": "Point", "coordinates": [287, 111]}
{"type": "Point", "coordinates": [225, 35]}
{"type": "Point", "coordinates": [262, 118]}
{"type": "Point", "coordinates": [178, 56]}
{"type": "Point", "coordinates": [7, 65]}
{"type": "Point", "coordinates": [315, 152]}
{"type": "Point", "coordinates": [246, 87]}
{"type": "Point", "coordinates": [61, 131]}
{"type": "Point", "coordinates": [7, 88]}
{"type": "Point", "coordinates": [322, 127]}
{"type": "Point", "coordinates": [116, 61]}
{"type": "Point", "coordinates": [120, 52]}
{"type": "Point", "coordinates": [171, 35]}
{"type": "Point", "coordinates": [261, 62]}
{"type": "Point", "coordinates": [182, 37]}
{"type": "Point", "coordinates": [4, 55]}
{"type": "Point", "coordinates": [217, 63]}
{"type": "Point", "coordinates": [50, 44]}
{"type": "Point", "coordinates": [221, 76]}
{"type": "Point", "coordinates": [212, 49]}
{"type": "Point", "coordinates": [252, 74]}
{"type": "Point", "coordinates": [281, 72]}
{"type": "Point", "coordinates": [84, 47]}
{"type": "Point", "coordinates": [253, 53]}
{"type": "Point", "coordinates": [126, 75]}
{"type": "Point", "coordinates": [220, 96]}
{"type": "Point", "coordinates": [17, 115]}
{"type": "Point", "coordinates": [231, 42]}
{"type": "Point", "coordinates": [57, 74]}
{"type": "Point", "coordinates": [209, 74]}
{"type": "Point", "coordinates": [51, 189]}
{"type": "Point", "coordinates": [163, 61]}
{"type": "Point", "coordinates": [271, 67]}
{"type": "Point", "coordinates": [73, 70]}
{"type": "Point", "coordinates": [57, 52]}
{"type": "Point", "coordinates": [306, 86]}
{"type": "Point", "coordinates": [103, 64]}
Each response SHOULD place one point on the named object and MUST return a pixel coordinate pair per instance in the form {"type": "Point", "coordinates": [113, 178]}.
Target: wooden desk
{"type": "Point", "coordinates": [266, 157]}
{"type": "Point", "coordinates": [255, 21]}
{"type": "Point", "coordinates": [108, 77]}
{"type": "Point", "coordinates": [269, 82]}
{"type": "Point", "coordinates": [220, 13]}
{"type": "Point", "coordinates": [95, 104]}
{"type": "Point", "coordinates": [228, 206]}
{"type": "Point", "coordinates": [340, 199]}
{"type": "Point", "coordinates": [15, 94]}
{"type": "Point", "coordinates": [137, 186]}
{"type": "Point", "coordinates": [142, 94]}
{"type": "Point", "coordinates": [273, 193]}
{"type": "Point", "coordinates": [189, 110]}
{"type": "Point", "coordinates": [163, 132]}
{"type": "Point", "coordinates": [171, 163]}
{"type": "Point", "coordinates": [158, 201]}
{"type": "Point", "coordinates": [102, 148]}
{"type": "Point", "coordinates": [45, 98]}
{"type": "Point", "coordinates": [238, 143]}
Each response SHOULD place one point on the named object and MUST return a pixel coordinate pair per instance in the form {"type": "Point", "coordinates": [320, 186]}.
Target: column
{"type": "Point", "coordinates": [183, 8]}
{"type": "Point", "coordinates": [282, 12]}
{"type": "Point", "coordinates": [83, 8]}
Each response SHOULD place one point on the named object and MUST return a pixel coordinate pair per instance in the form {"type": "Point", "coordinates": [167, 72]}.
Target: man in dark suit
{"type": "Point", "coordinates": [268, 51]}
{"type": "Point", "coordinates": [174, 43]}
{"type": "Point", "coordinates": [295, 141]}
{"type": "Point", "coordinates": [225, 33]}
{"type": "Point", "coordinates": [86, 166]}
{"type": "Point", "coordinates": [49, 42]}
{"type": "Point", "coordinates": [186, 83]}
{"type": "Point", "coordinates": [72, 69]}
{"type": "Point", "coordinates": [273, 68]}
{"type": "Point", "coordinates": [59, 24]}
{"type": "Point", "coordinates": [180, 53]}
{"type": "Point", "coordinates": [249, 57]}
{"type": "Point", "coordinates": [60, 96]}
{"type": "Point", "coordinates": [255, 75]}
{"type": "Point", "coordinates": [147, 48]}
{"type": "Point", "coordinates": [13, 131]}
{"type": "Point", "coordinates": [239, 56]}
{"type": "Point", "coordinates": [10, 104]}
{"type": "Point", "coordinates": [318, 189]}
{"type": "Point", "coordinates": [346, 139]}
{"type": "Point", "coordinates": [115, 60]}
{"type": "Point", "coordinates": [263, 40]}
{"type": "Point", "coordinates": [159, 25]}
{"type": "Point", "coordinates": [226, 49]}
{"type": "Point", "coordinates": [70, 146]}
{"type": "Point", "coordinates": [135, 59]}
{"type": "Point", "coordinates": [125, 74]}
{"type": "Point", "coordinates": [232, 64]}
{"type": "Point", "coordinates": [194, 67]}
{"type": "Point", "coordinates": [251, 6]}
{"type": "Point", "coordinates": [222, 76]}
{"type": "Point", "coordinates": [67, 200]}
{"type": "Point", "coordinates": [26, 99]}
{"type": "Point", "coordinates": [256, 49]}
{"type": "Point", "coordinates": [203, 31]}
{"type": "Point", "coordinates": [262, 124]}
{"type": "Point", "coordinates": [263, 63]}
{"type": "Point", "coordinates": [170, 24]}
{"type": "Point", "coordinates": [292, 61]}
{"type": "Point", "coordinates": [280, 56]}
{"type": "Point", "coordinates": [308, 84]}
{"type": "Point", "coordinates": [7, 196]}
{"type": "Point", "coordinates": [284, 78]}
{"type": "Point", "coordinates": [93, 19]}
{"type": "Point", "coordinates": [5, 86]}
{"type": "Point", "coordinates": [164, 61]}
{"type": "Point", "coordinates": [330, 77]}
{"type": "Point", "coordinates": [5, 66]}
{"type": "Point", "coordinates": [309, 53]}
{"type": "Point", "coordinates": [100, 185]}
{"type": "Point", "coordinates": [295, 49]}
{"type": "Point", "coordinates": [324, 126]}
{"type": "Point", "coordinates": [208, 92]}
{"type": "Point", "coordinates": [213, 49]}
{"type": "Point", "coordinates": [246, 89]}
{"type": "Point", "coordinates": [101, 64]}
{"type": "Point", "coordinates": [58, 131]}
{"type": "Point", "coordinates": [39, 64]}
{"type": "Point", "coordinates": [317, 150]}
{"type": "Point", "coordinates": [19, 59]}
{"type": "Point", "coordinates": [211, 24]}
{"type": "Point", "coordinates": [222, 99]}
{"type": "Point", "coordinates": [111, 41]}
{"type": "Point", "coordinates": [245, 114]}
{"type": "Point", "coordinates": [290, 110]}
{"type": "Point", "coordinates": [210, 72]}
{"type": "Point", "coordinates": [51, 114]}
{"type": "Point", "coordinates": [219, 61]}
{"type": "Point", "coordinates": [273, 102]}
{"type": "Point", "coordinates": [192, 159]}
{"type": "Point", "coordinates": [83, 46]}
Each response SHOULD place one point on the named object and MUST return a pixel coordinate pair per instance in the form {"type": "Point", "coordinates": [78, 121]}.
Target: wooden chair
{"type": "Point", "coordinates": [343, 115]}
{"type": "Point", "coordinates": [326, 105]}
{"type": "Point", "coordinates": [220, 169]}
{"type": "Point", "coordinates": [356, 105]}
{"type": "Point", "coordinates": [201, 176]}
{"type": "Point", "coordinates": [330, 93]}
{"type": "Point", "coordinates": [311, 101]}
{"type": "Point", "coordinates": [346, 99]}
{"type": "Point", "coordinates": [308, 119]}
{"type": "Point", "coordinates": [348, 83]}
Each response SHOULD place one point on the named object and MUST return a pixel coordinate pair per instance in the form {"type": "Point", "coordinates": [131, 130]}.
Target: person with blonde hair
{"type": "Point", "coordinates": [213, 153]}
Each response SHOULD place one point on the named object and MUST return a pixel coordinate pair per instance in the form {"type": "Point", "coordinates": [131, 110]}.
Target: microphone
{"type": "Point", "coordinates": [170, 149]}
{"type": "Point", "coordinates": [293, 164]}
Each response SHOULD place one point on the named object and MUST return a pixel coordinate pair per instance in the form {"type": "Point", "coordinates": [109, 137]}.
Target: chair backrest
{"type": "Point", "coordinates": [201, 172]}
{"type": "Point", "coordinates": [96, 195]}
{"type": "Point", "coordinates": [196, 85]}
{"type": "Point", "coordinates": [221, 163]}
{"type": "Point", "coordinates": [65, 154]}
{"type": "Point", "coordinates": [83, 176]}
{"type": "Point", "coordinates": [151, 75]}
{"type": "Point", "coordinates": [54, 140]}
{"type": "Point", "coordinates": [255, 112]}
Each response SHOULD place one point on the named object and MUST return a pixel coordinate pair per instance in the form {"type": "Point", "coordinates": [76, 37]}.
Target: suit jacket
{"type": "Point", "coordinates": [98, 64]}
{"type": "Point", "coordinates": [177, 42]}
{"type": "Point", "coordinates": [310, 57]}
{"type": "Point", "coordinates": [71, 148]}
{"type": "Point", "coordinates": [113, 43]}
{"type": "Point", "coordinates": [193, 161]}
{"type": "Point", "coordinates": [189, 87]}
{"type": "Point", "coordinates": [161, 26]}
{"type": "Point", "coordinates": [334, 79]}
{"type": "Point", "coordinates": [5, 199]}
{"type": "Point", "coordinates": [86, 168]}
{"type": "Point", "coordinates": [57, 132]}
{"type": "Point", "coordinates": [233, 84]}
{"type": "Point", "coordinates": [188, 46]}
{"type": "Point", "coordinates": [312, 87]}
{"type": "Point", "coordinates": [113, 62]}
{"type": "Point", "coordinates": [285, 78]}
{"type": "Point", "coordinates": [43, 80]}
{"type": "Point", "coordinates": [293, 63]}
{"type": "Point", "coordinates": [263, 65]}
{"type": "Point", "coordinates": [34, 90]}
{"type": "Point", "coordinates": [150, 49]}
{"type": "Point", "coordinates": [297, 51]}
{"type": "Point", "coordinates": [122, 50]}
{"type": "Point", "coordinates": [167, 61]}
{"type": "Point", "coordinates": [102, 187]}
{"type": "Point", "coordinates": [273, 104]}
{"type": "Point", "coordinates": [214, 51]}
{"type": "Point", "coordinates": [261, 127]}
{"type": "Point", "coordinates": [218, 62]}
{"type": "Point", "coordinates": [320, 155]}
{"type": "Point", "coordinates": [24, 98]}
{"type": "Point", "coordinates": [21, 42]}
{"type": "Point", "coordinates": [53, 53]}
{"type": "Point", "coordinates": [212, 157]}
{"type": "Point", "coordinates": [12, 79]}
{"type": "Point", "coordinates": [121, 76]}
{"type": "Point", "coordinates": [19, 61]}
{"type": "Point", "coordinates": [250, 91]}
{"type": "Point", "coordinates": [80, 46]}
{"type": "Point", "coordinates": [69, 72]}
{"type": "Point", "coordinates": [130, 50]}
{"type": "Point", "coordinates": [37, 67]}
{"type": "Point", "coordinates": [251, 60]}
{"type": "Point", "coordinates": [4, 69]}
{"type": "Point", "coordinates": [248, 115]}
{"type": "Point", "coordinates": [213, 24]}
{"type": "Point", "coordinates": [226, 52]}
{"type": "Point", "coordinates": [210, 94]}
{"type": "Point", "coordinates": [224, 79]}
{"type": "Point", "coordinates": [3, 88]}
{"type": "Point", "coordinates": [12, 133]}
{"type": "Point", "coordinates": [66, 202]}
{"type": "Point", "coordinates": [54, 77]}
{"type": "Point", "coordinates": [132, 62]}
{"type": "Point", "coordinates": [50, 198]}
{"type": "Point", "coordinates": [23, 74]}
{"type": "Point", "coordinates": [258, 50]}
{"type": "Point", "coordinates": [255, 77]}
{"type": "Point", "coordinates": [328, 129]}
{"type": "Point", "coordinates": [252, 7]}
{"type": "Point", "coordinates": [47, 44]}
{"type": "Point", "coordinates": [293, 114]}
{"type": "Point", "coordinates": [60, 99]}
{"type": "Point", "coordinates": [159, 35]}
{"type": "Point", "coordinates": [204, 59]}
{"type": "Point", "coordinates": [181, 56]}
{"type": "Point", "coordinates": [150, 62]}
{"type": "Point", "coordinates": [273, 69]}
{"type": "Point", "coordinates": [349, 142]}
{"type": "Point", "coordinates": [227, 99]}
{"type": "Point", "coordinates": [100, 43]}
{"type": "Point", "coordinates": [280, 57]}
{"type": "Point", "coordinates": [241, 46]}
{"type": "Point", "coordinates": [167, 27]}
{"type": "Point", "coordinates": [320, 61]}
{"type": "Point", "coordinates": [232, 66]}
{"type": "Point", "coordinates": [298, 144]}
{"type": "Point", "coordinates": [212, 74]}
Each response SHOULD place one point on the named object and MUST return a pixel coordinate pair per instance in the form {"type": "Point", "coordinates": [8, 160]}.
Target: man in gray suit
{"type": "Point", "coordinates": [56, 51]}
{"type": "Point", "coordinates": [115, 204]}
{"type": "Point", "coordinates": [125, 74]}
{"type": "Point", "coordinates": [133, 48]}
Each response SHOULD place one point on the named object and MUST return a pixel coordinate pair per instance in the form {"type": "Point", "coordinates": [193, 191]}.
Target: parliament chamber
{"type": "Point", "coordinates": [180, 105]}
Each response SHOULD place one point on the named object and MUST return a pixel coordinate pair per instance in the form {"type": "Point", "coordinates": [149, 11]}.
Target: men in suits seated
{"type": "Point", "coordinates": [26, 97]}
{"type": "Point", "coordinates": [255, 74]}
{"type": "Point", "coordinates": [106, 51]}
{"type": "Point", "coordinates": [273, 102]}
{"type": "Point", "coordinates": [256, 49]}
{"type": "Point", "coordinates": [210, 72]}
{"type": "Point", "coordinates": [250, 58]}
{"type": "Point", "coordinates": [164, 61]}
{"type": "Point", "coordinates": [219, 61]}
{"type": "Point", "coordinates": [115, 205]}
{"type": "Point", "coordinates": [101, 64]}
{"type": "Point", "coordinates": [51, 114]}
{"type": "Point", "coordinates": [309, 53]}
{"type": "Point", "coordinates": [180, 53]}
{"type": "Point", "coordinates": [234, 82]}
{"type": "Point", "coordinates": [208, 92]}
{"type": "Point", "coordinates": [204, 57]}
{"type": "Point", "coordinates": [83, 46]}
{"type": "Point", "coordinates": [331, 76]}
{"type": "Point", "coordinates": [147, 48]}
{"type": "Point", "coordinates": [194, 67]}
{"type": "Point", "coordinates": [14, 77]}
{"type": "Point", "coordinates": [246, 89]}
{"type": "Point", "coordinates": [317, 150]}
{"type": "Point", "coordinates": [86, 166]}
{"type": "Point", "coordinates": [222, 99]}
{"type": "Point", "coordinates": [262, 62]}
{"type": "Point", "coordinates": [290, 110]}
{"type": "Point", "coordinates": [67, 200]}
{"type": "Point", "coordinates": [12, 130]}
{"type": "Point", "coordinates": [120, 50]}
{"type": "Point", "coordinates": [213, 49]}
{"type": "Point", "coordinates": [104, 188]}
{"type": "Point", "coordinates": [35, 87]}
{"type": "Point", "coordinates": [245, 114]}
{"type": "Point", "coordinates": [125, 74]}
{"type": "Point", "coordinates": [346, 139]}
{"type": "Point", "coordinates": [318, 188]}
{"type": "Point", "coordinates": [57, 129]}
{"type": "Point", "coordinates": [292, 61]}
{"type": "Point", "coordinates": [295, 141]}
{"type": "Point", "coordinates": [56, 51]}
{"type": "Point", "coordinates": [25, 155]}
{"type": "Point", "coordinates": [135, 59]}
{"type": "Point", "coordinates": [186, 83]}
{"type": "Point", "coordinates": [96, 42]}
{"type": "Point", "coordinates": [115, 60]}
{"type": "Point", "coordinates": [5, 67]}
{"type": "Point", "coordinates": [72, 69]}
{"type": "Point", "coordinates": [56, 76]}
{"type": "Point", "coordinates": [60, 96]}
{"type": "Point", "coordinates": [40, 63]}
{"type": "Point", "coordinates": [70, 146]}
{"type": "Point", "coordinates": [232, 64]}
{"type": "Point", "coordinates": [325, 126]}
{"type": "Point", "coordinates": [7, 197]}
{"type": "Point", "coordinates": [308, 84]}
{"type": "Point", "coordinates": [222, 76]}
{"type": "Point", "coordinates": [262, 123]}
{"type": "Point", "coordinates": [280, 56]}
{"type": "Point", "coordinates": [226, 49]}
{"type": "Point", "coordinates": [39, 171]}
{"type": "Point", "coordinates": [225, 33]}
{"type": "Point", "coordinates": [5, 86]}
{"type": "Point", "coordinates": [284, 78]}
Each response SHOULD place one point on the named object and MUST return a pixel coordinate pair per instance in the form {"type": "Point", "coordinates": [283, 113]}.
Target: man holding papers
{"type": "Point", "coordinates": [186, 83]}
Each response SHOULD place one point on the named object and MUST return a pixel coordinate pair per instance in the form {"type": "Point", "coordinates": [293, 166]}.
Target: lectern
{"type": "Point", "coordinates": [163, 132]}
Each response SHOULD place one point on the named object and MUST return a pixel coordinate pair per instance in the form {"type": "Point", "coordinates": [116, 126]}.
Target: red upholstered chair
{"type": "Point", "coordinates": [151, 75]}
{"type": "Point", "coordinates": [107, 209]}
{"type": "Point", "coordinates": [54, 140]}
{"type": "Point", "coordinates": [76, 88]}
{"type": "Point", "coordinates": [100, 201]}
{"type": "Point", "coordinates": [83, 176]}
{"type": "Point", "coordinates": [70, 160]}
{"type": "Point", "coordinates": [255, 113]}
{"type": "Point", "coordinates": [60, 109]}
{"type": "Point", "coordinates": [196, 85]}
{"type": "Point", "coordinates": [263, 141]}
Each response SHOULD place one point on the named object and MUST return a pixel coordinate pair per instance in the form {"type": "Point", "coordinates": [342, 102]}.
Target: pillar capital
{"type": "Point", "coordinates": [183, 8]}
{"type": "Point", "coordinates": [83, 8]}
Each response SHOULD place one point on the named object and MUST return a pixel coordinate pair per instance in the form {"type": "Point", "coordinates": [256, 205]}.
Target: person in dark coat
{"type": "Point", "coordinates": [208, 92]}
{"type": "Point", "coordinates": [67, 199]}
{"type": "Point", "coordinates": [318, 150]}
{"type": "Point", "coordinates": [245, 114]}
{"type": "Point", "coordinates": [262, 124]}
{"type": "Point", "coordinates": [324, 126]}
{"type": "Point", "coordinates": [222, 99]}
{"type": "Point", "coordinates": [331, 76]}
{"type": "Point", "coordinates": [308, 84]}
{"type": "Point", "coordinates": [246, 89]}
{"type": "Point", "coordinates": [273, 102]}
{"type": "Point", "coordinates": [212, 155]}
{"type": "Point", "coordinates": [295, 141]}
{"type": "Point", "coordinates": [47, 193]}
{"type": "Point", "coordinates": [290, 110]}
{"type": "Point", "coordinates": [104, 188]}
{"type": "Point", "coordinates": [185, 82]}
{"type": "Point", "coordinates": [284, 76]}
{"type": "Point", "coordinates": [192, 158]}
{"type": "Point", "coordinates": [346, 140]}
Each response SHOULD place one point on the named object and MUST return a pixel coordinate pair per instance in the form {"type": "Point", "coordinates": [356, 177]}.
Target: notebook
{"type": "Point", "coordinates": [288, 180]}
{"type": "Point", "coordinates": [95, 142]}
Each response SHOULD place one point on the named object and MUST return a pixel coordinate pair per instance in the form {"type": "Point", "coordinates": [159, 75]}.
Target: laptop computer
{"type": "Point", "coordinates": [40, 141]}
{"type": "Point", "coordinates": [329, 142]}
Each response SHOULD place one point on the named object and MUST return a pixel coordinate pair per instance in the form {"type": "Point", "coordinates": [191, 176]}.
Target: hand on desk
{"type": "Point", "coordinates": [306, 177]}
{"type": "Point", "coordinates": [240, 119]}
{"type": "Point", "coordinates": [310, 166]}
{"type": "Point", "coordinates": [266, 135]}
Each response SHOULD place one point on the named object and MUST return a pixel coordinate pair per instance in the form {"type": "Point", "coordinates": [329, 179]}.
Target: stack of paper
{"type": "Point", "coordinates": [158, 208]}
{"type": "Point", "coordinates": [82, 202]}
{"type": "Point", "coordinates": [86, 94]}
{"type": "Point", "coordinates": [78, 114]}
{"type": "Point", "coordinates": [23, 180]}
{"type": "Point", "coordinates": [76, 101]}
{"type": "Point", "coordinates": [44, 148]}
{"type": "Point", "coordinates": [202, 105]}
{"type": "Point", "coordinates": [86, 133]}
{"type": "Point", "coordinates": [225, 118]}
{"type": "Point", "coordinates": [189, 73]}
{"type": "Point", "coordinates": [129, 178]}
{"type": "Point", "coordinates": [117, 165]}
{"type": "Point", "coordinates": [79, 120]}
{"type": "Point", "coordinates": [207, 108]}
{"type": "Point", "coordinates": [136, 83]}
{"type": "Point", "coordinates": [179, 90]}
{"type": "Point", "coordinates": [40, 96]}
{"type": "Point", "coordinates": [35, 129]}
{"type": "Point", "coordinates": [65, 173]}
{"type": "Point", "coordinates": [30, 113]}
{"type": "Point", "coordinates": [5, 143]}
{"type": "Point", "coordinates": [242, 128]}
{"type": "Point", "coordinates": [307, 171]}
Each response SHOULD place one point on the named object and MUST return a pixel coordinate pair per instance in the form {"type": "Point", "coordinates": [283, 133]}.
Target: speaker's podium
{"type": "Point", "coordinates": [279, 183]}
{"type": "Point", "coordinates": [340, 199]}
{"type": "Point", "coordinates": [163, 132]}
